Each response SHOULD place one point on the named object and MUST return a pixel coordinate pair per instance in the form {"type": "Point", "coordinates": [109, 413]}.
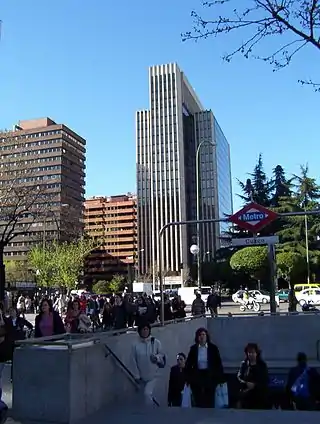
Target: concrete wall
{"type": "Point", "coordinates": [174, 338]}
{"type": "Point", "coordinates": [40, 384]}
{"type": "Point", "coordinates": [279, 337]}
{"type": "Point", "coordinates": [64, 386]}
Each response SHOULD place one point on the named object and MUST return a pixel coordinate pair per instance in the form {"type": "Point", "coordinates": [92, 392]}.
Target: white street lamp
{"type": "Point", "coordinates": [194, 249]}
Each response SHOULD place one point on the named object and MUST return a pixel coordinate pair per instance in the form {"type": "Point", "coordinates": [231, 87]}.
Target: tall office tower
{"type": "Point", "coordinates": [167, 136]}
{"type": "Point", "coordinates": [49, 158]}
{"type": "Point", "coordinates": [113, 221]}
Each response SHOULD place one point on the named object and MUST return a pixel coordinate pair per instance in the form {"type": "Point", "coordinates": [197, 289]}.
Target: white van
{"type": "Point", "coordinates": [188, 294]}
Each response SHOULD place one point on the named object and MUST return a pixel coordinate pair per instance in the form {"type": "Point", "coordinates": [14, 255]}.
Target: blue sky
{"type": "Point", "coordinates": [85, 63]}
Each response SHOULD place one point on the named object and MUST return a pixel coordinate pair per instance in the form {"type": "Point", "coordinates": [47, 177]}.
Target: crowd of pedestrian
{"type": "Point", "coordinates": [200, 375]}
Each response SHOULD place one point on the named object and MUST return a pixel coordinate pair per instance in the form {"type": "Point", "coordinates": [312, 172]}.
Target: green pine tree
{"type": "Point", "coordinates": [304, 197]}
{"type": "Point", "coordinates": [258, 188]}
{"type": "Point", "coordinates": [280, 186]}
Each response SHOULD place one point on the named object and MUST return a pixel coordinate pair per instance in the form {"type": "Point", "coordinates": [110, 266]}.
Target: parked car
{"type": "Point", "coordinates": [311, 296]}
{"type": "Point", "coordinates": [237, 297]}
{"type": "Point", "coordinates": [260, 296]}
{"type": "Point", "coordinates": [283, 295]}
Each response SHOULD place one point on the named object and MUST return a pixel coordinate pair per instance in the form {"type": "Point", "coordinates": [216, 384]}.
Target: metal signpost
{"type": "Point", "coordinates": [252, 217]}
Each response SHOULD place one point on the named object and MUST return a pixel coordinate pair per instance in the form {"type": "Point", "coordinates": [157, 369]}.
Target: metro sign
{"type": "Point", "coordinates": [253, 217]}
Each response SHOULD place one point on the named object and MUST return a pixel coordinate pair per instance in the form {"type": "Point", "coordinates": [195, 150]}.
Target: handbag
{"type": "Point", "coordinates": [300, 387]}
{"type": "Point", "coordinates": [162, 363]}
{"type": "Point", "coordinates": [221, 396]}
{"type": "Point", "coordinates": [186, 397]}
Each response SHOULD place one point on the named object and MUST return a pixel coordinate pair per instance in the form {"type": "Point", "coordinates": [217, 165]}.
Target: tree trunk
{"type": "Point", "coordinates": [2, 274]}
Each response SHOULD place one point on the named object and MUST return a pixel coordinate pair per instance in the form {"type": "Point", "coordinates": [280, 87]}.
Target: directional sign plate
{"type": "Point", "coordinates": [255, 241]}
{"type": "Point", "coordinates": [253, 217]}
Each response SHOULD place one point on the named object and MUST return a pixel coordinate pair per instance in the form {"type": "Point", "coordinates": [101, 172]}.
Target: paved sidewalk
{"type": "Point", "coordinates": [200, 416]}
{"type": "Point", "coordinates": [194, 416]}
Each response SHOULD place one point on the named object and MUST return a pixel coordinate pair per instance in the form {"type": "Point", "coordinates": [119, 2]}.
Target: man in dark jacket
{"type": "Point", "coordinates": [198, 306]}
{"type": "Point", "coordinates": [306, 399]}
{"type": "Point", "coordinates": [6, 350]}
{"type": "Point", "coordinates": [213, 302]}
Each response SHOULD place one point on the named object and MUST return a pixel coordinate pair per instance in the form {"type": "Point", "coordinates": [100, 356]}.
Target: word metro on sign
{"type": "Point", "coordinates": [255, 241]}
{"type": "Point", "coordinates": [253, 217]}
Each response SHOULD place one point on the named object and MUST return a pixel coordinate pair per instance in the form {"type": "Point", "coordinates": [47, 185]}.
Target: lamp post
{"type": "Point", "coordinates": [195, 251]}
{"type": "Point", "coordinates": [307, 245]}
{"type": "Point", "coordinates": [137, 263]}
{"type": "Point", "coordinates": [198, 194]}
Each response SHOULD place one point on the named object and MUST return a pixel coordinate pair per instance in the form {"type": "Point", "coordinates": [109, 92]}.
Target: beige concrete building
{"type": "Point", "coordinates": [49, 157]}
{"type": "Point", "coordinates": [113, 220]}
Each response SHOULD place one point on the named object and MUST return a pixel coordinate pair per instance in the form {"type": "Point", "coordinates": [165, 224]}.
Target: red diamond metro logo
{"type": "Point", "coordinates": [253, 217]}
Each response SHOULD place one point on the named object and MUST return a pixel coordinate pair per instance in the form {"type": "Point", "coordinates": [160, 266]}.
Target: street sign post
{"type": "Point", "coordinates": [255, 241]}
{"type": "Point", "coordinates": [253, 217]}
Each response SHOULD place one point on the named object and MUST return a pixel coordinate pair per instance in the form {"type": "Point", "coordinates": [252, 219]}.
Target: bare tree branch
{"type": "Point", "coordinates": [296, 21]}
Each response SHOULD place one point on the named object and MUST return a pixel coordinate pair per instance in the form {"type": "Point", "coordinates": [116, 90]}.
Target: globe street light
{"type": "Point", "coordinates": [194, 249]}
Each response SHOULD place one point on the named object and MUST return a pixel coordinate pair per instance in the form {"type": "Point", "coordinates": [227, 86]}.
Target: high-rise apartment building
{"type": "Point", "coordinates": [41, 155]}
{"type": "Point", "coordinates": [113, 221]}
{"type": "Point", "coordinates": [168, 135]}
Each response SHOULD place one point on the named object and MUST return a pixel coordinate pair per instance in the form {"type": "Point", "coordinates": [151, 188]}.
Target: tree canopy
{"type": "Point", "coordinates": [60, 264]}
{"type": "Point", "coordinates": [290, 265]}
{"type": "Point", "coordinates": [113, 286]}
{"type": "Point", "coordinates": [291, 24]}
{"type": "Point", "coordinates": [251, 260]}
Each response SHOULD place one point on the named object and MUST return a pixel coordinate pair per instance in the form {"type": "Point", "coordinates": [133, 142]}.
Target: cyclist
{"type": "Point", "coordinates": [246, 296]}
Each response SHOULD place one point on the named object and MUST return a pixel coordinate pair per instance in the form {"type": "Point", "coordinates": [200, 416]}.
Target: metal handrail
{"type": "Point", "coordinates": [126, 369]}
{"type": "Point", "coordinates": [77, 338]}
{"type": "Point", "coordinates": [70, 340]}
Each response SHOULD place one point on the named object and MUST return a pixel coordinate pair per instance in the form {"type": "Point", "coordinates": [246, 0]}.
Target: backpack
{"type": "Point", "coordinates": [300, 387]}
{"type": "Point", "coordinates": [161, 364]}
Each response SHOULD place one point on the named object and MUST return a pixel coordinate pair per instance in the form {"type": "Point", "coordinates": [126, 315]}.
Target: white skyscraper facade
{"type": "Point", "coordinates": [167, 137]}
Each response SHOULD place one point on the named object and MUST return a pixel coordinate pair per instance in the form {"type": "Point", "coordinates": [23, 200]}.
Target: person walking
{"type": "Point", "coordinates": [177, 381]}
{"type": "Point", "coordinates": [213, 302]}
{"type": "Point", "coordinates": [253, 378]}
{"type": "Point", "coordinates": [303, 385]}
{"type": "Point", "coordinates": [198, 306]}
{"type": "Point", "coordinates": [204, 370]}
{"type": "Point", "coordinates": [147, 358]}
{"type": "Point", "coordinates": [48, 322]}
{"type": "Point", "coordinates": [6, 352]}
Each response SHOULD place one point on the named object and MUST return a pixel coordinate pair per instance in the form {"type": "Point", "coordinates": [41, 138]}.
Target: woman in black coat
{"type": "Point", "coordinates": [204, 370]}
{"type": "Point", "coordinates": [254, 379]}
{"type": "Point", "coordinates": [48, 322]}
{"type": "Point", "coordinates": [177, 381]}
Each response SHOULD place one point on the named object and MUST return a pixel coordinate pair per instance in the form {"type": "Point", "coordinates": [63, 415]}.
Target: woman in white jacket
{"type": "Point", "coordinates": [147, 358]}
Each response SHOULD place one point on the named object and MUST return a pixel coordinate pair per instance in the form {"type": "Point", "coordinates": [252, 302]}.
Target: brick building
{"type": "Point", "coordinates": [113, 220]}
{"type": "Point", "coordinates": [41, 155]}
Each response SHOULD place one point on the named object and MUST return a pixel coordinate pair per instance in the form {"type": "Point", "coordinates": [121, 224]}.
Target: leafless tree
{"type": "Point", "coordinates": [296, 23]}
{"type": "Point", "coordinates": [22, 196]}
